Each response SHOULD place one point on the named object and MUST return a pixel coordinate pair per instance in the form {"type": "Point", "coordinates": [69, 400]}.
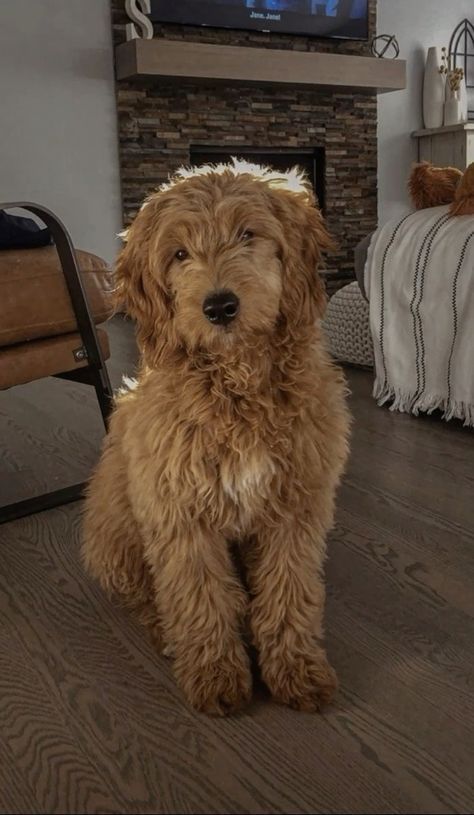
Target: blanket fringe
{"type": "Point", "coordinates": [411, 403]}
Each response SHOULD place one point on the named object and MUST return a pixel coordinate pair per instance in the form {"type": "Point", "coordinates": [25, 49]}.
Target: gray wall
{"type": "Point", "coordinates": [58, 124]}
{"type": "Point", "coordinates": [417, 24]}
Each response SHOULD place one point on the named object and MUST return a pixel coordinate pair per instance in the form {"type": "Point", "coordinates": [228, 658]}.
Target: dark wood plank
{"type": "Point", "coordinates": [90, 717]}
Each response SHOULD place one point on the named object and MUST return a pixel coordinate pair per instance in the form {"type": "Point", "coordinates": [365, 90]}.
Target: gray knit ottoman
{"type": "Point", "coordinates": [346, 325]}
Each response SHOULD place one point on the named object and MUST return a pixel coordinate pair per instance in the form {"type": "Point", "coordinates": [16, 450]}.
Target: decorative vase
{"type": "Point", "coordinates": [452, 109]}
{"type": "Point", "coordinates": [433, 90]}
{"type": "Point", "coordinates": [463, 99]}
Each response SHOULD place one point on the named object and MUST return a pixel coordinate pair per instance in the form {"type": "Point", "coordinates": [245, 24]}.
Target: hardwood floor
{"type": "Point", "coordinates": [90, 718]}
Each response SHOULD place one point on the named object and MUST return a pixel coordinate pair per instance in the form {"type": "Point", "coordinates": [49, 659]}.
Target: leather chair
{"type": "Point", "coordinates": [51, 300]}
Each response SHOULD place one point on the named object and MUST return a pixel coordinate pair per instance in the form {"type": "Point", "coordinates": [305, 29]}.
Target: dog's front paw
{"type": "Point", "coordinates": [216, 687]}
{"type": "Point", "coordinates": [304, 682]}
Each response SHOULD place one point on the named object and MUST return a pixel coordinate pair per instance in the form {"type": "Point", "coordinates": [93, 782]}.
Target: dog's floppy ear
{"type": "Point", "coordinates": [318, 242]}
{"type": "Point", "coordinates": [139, 285]}
{"type": "Point", "coordinates": [305, 239]}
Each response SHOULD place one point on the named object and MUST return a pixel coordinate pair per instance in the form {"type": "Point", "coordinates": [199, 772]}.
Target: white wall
{"type": "Point", "coordinates": [58, 123]}
{"type": "Point", "coordinates": [417, 24]}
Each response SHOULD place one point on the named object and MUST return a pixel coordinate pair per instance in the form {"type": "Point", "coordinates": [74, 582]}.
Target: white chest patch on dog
{"type": "Point", "coordinates": [247, 481]}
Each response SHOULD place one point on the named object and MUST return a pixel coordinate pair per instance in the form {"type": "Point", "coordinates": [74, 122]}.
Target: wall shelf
{"type": "Point", "coordinates": [178, 59]}
{"type": "Point", "coordinates": [450, 146]}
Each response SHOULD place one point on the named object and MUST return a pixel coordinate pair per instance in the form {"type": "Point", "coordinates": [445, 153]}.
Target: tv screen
{"type": "Point", "coordinates": [346, 19]}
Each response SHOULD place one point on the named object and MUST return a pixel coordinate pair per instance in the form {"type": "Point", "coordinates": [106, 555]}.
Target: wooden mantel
{"type": "Point", "coordinates": [170, 59]}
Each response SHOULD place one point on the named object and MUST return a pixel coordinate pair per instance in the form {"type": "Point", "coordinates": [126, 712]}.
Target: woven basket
{"type": "Point", "coordinates": [347, 327]}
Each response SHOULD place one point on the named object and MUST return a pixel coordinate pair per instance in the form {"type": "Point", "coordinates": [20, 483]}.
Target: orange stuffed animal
{"type": "Point", "coordinates": [431, 186]}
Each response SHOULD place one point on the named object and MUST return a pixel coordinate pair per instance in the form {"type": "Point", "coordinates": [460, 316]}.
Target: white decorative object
{"type": "Point", "coordinates": [463, 99]}
{"type": "Point", "coordinates": [433, 90]}
{"type": "Point", "coordinates": [452, 109]}
{"type": "Point", "coordinates": [455, 106]}
{"type": "Point", "coordinates": [137, 11]}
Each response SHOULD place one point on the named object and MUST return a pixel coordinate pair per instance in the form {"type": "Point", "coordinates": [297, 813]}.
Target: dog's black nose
{"type": "Point", "coordinates": [221, 308]}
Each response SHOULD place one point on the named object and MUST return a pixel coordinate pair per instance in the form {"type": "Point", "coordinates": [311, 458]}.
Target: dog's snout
{"type": "Point", "coordinates": [221, 308]}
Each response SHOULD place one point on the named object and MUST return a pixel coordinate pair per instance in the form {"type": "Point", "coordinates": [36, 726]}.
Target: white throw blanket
{"type": "Point", "coordinates": [419, 278]}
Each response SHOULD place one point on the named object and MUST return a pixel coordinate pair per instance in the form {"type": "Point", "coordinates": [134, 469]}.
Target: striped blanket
{"type": "Point", "coordinates": [419, 279]}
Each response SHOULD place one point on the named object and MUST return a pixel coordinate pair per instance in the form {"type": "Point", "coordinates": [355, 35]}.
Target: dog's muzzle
{"type": "Point", "coordinates": [221, 308]}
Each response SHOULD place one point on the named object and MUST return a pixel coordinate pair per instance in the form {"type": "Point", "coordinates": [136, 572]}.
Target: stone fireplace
{"type": "Point", "coordinates": [330, 132]}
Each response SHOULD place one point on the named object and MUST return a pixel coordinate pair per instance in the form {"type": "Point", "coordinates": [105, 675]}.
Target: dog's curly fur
{"type": "Point", "coordinates": [431, 186]}
{"type": "Point", "coordinates": [234, 434]}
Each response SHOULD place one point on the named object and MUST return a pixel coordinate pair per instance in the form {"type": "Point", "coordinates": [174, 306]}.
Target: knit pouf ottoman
{"type": "Point", "coordinates": [347, 328]}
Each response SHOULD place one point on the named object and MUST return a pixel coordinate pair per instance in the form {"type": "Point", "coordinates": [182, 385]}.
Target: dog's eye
{"type": "Point", "coordinates": [247, 235]}
{"type": "Point", "coordinates": [181, 254]}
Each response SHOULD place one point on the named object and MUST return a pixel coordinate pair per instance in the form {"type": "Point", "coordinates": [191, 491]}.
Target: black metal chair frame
{"type": "Point", "coordinates": [94, 373]}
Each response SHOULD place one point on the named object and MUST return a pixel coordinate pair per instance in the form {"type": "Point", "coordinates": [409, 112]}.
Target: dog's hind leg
{"type": "Point", "coordinates": [112, 548]}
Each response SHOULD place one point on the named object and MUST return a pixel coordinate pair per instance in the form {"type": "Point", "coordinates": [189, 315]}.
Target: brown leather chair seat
{"type": "Point", "coordinates": [28, 361]}
{"type": "Point", "coordinates": [34, 300]}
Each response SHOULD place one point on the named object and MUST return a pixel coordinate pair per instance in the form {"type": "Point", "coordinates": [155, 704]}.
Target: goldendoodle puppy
{"type": "Point", "coordinates": [235, 432]}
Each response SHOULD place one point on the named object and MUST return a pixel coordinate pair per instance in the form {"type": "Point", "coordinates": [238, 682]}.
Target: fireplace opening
{"type": "Point", "coordinates": [311, 160]}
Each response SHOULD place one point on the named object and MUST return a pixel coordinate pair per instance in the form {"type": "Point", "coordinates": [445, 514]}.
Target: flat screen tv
{"type": "Point", "coordinates": [345, 19]}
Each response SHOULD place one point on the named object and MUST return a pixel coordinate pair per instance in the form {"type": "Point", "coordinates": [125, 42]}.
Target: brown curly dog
{"type": "Point", "coordinates": [236, 432]}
